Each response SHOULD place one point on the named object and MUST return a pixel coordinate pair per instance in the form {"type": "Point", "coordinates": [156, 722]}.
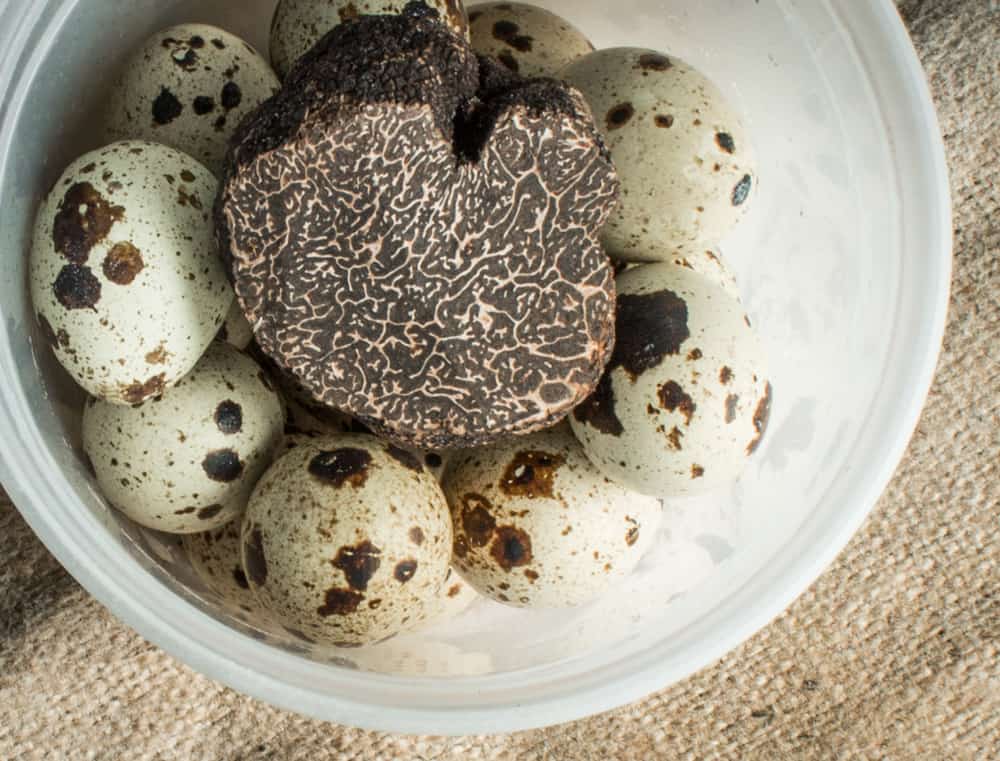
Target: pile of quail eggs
{"type": "Point", "coordinates": [293, 513]}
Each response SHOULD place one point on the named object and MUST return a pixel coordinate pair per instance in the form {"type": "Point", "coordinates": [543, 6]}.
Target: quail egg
{"type": "Point", "coordinates": [685, 400]}
{"type": "Point", "coordinates": [188, 87]}
{"type": "Point", "coordinates": [348, 540]}
{"type": "Point", "coordinates": [186, 462]}
{"type": "Point", "coordinates": [125, 276]}
{"type": "Point", "coordinates": [683, 156]}
{"type": "Point", "coordinates": [537, 526]}
{"type": "Point", "coordinates": [528, 40]}
{"type": "Point", "coordinates": [299, 24]}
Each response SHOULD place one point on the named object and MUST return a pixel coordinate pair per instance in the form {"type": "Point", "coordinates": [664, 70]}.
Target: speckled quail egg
{"type": "Point", "coordinates": [215, 557]}
{"type": "Point", "coordinates": [187, 461]}
{"type": "Point", "coordinates": [685, 400]}
{"type": "Point", "coordinates": [683, 156]}
{"type": "Point", "coordinates": [236, 330]}
{"type": "Point", "coordinates": [537, 526]}
{"type": "Point", "coordinates": [347, 539]}
{"type": "Point", "coordinates": [297, 25]}
{"type": "Point", "coordinates": [188, 87]}
{"type": "Point", "coordinates": [528, 40]}
{"type": "Point", "coordinates": [125, 275]}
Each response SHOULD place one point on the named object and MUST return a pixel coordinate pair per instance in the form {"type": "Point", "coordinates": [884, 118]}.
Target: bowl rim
{"type": "Point", "coordinates": [455, 705]}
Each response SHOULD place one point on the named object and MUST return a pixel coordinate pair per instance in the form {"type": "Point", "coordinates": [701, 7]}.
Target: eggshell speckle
{"type": "Point", "coordinates": [299, 24]}
{"type": "Point", "coordinates": [187, 461]}
{"type": "Point", "coordinates": [537, 526]}
{"type": "Point", "coordinates": [125, 276]}
{"type": "Point", "coordinates": [347, 539]}
{"type": "Point", "coordinates": [188, 87]}
{"type": "Point", "coordinates": [528, 40]}
{"type": "Point", "coordinates": [683, 156]}
{"type": "Point", "coordinates": [686, 399]}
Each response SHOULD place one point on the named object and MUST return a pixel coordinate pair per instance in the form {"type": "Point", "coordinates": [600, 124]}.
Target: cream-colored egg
{"type": "Point", "coordinates": [189, 87]}
{"type": "Point", "coordinates": [125, 276]}
{"type": "Point", "coordinates": [537, 526]}
{"type": "Point", "coordinates": [347, 539]}
{"type": "Point", "coordinates": [684, 159]}
{"type": "Point", "coordinates": [187, 461]}
{"type": "Point", "coordinates": [299, 24]}
{"type": "Point", "coordinates": [528, 40]}
{"type": "Point", "coordinates": [686, 399]}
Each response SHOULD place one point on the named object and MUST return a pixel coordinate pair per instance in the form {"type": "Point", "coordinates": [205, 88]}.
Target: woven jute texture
{"type": "Point", "coordinates": [892, 654]}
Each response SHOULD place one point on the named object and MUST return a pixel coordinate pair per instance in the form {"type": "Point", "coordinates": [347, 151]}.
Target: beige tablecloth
{"type": "Point", "coordinates": [891, 655]}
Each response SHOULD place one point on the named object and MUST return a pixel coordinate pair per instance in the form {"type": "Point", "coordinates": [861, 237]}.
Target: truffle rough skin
{"type": "Point", "coordinates": [413, 233]}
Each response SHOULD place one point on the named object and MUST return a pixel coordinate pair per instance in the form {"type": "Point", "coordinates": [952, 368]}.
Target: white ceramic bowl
{"type": "Point", "coordinates": [844, 265]}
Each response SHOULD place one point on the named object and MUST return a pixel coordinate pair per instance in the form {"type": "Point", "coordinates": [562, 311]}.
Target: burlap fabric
{"type": "Point", "coordinates": [891, 655]}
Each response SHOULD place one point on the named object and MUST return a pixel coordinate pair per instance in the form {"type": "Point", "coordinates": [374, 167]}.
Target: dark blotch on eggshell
{"type": "Point", "coordinates": [761, 417]}
{"type": "Point", "coordinates": [84, 219]}
{"type": "Point", "coordinates": [229, 417]}
{"type": "Point", "coordinates": [254, 562]}
{"type": "Point", "coordinates": [166, 107]}
{"type": "Point", "coordinates": [405, 458]}
{"type": "Point", "coordinates": [359, 563]}
{"type": "Point", "coordinates": [122, 263]}
{"type": "Point", "coordinates": [664, 121]}
{"type": "Point", "coordinates": [139, 391]}
{"type": "Point", "coordinates": [742, 190]}
{"type": "Point", "coordinates": [697, 471]}
{"type": "Point", "coordinates": [77, 287]}
{"type": "Point", "coordinates": [725, 142]}
{"type": "Point", "coordinates": [509, 33]}
{"type": "Point", "coordinates": [341, 466]}
{"type": "Point", "coordinates": [632, 535]}
{"type": "Point", "coordinates": [598, 411]}
{"type": "Point", "coordinates": [232, 96]}
{"type": "Point", "coordinates": [726, 375]}
{"type": "Point", "coordinates": [340, 602]}
{"type": "Point", "coordinates": [433, 460]}
{"type": "Point", "coordinates": [511, 547]}
{"type": "Point", "coordinates": [416, 535]}
{"type": "Point", "coordinates": [654, 62]}
{"type": "Point", "coordinates": [223, 465]}
{"type": "Point", "coordinates": [620, 115]}
{"type": "Point", "coordinates": [531, 474]}
{"type": "Point", "coordinates": [207, 513]}
{"type": "Point", "coordinates": [508, 60]}
{"type": "Point", "coordinates": [673, 398]}
{"type": "Point", "coordinates": [477, 519]}
{"type": "Point", "coordinates": [405, 570]}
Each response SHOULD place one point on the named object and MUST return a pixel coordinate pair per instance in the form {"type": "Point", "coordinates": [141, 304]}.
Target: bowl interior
{"type": "Point", "coordinates": [820, 262]}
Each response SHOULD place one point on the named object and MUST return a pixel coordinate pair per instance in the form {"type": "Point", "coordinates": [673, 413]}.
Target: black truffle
{"type": "Point", "coordinates": [413, 232]}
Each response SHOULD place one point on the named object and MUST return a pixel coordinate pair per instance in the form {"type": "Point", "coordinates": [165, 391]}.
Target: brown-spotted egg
{"type": "Point", "coordinates": [536, 525]}
{"type": "Point", "coordinates": [186, 461]}
{"type": "Point", "coordinates": [347, 539]}
{"type": "Point", "coordinates": [125, 275]}
{"type": "Point", "coordinates": [188, 87]}
{"type": "Point", "coordinates": [528, 40]}
{"type": "Point", "coordinates": [683, 156]}
{"type": "Point", "coordinates": [685, 399]}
